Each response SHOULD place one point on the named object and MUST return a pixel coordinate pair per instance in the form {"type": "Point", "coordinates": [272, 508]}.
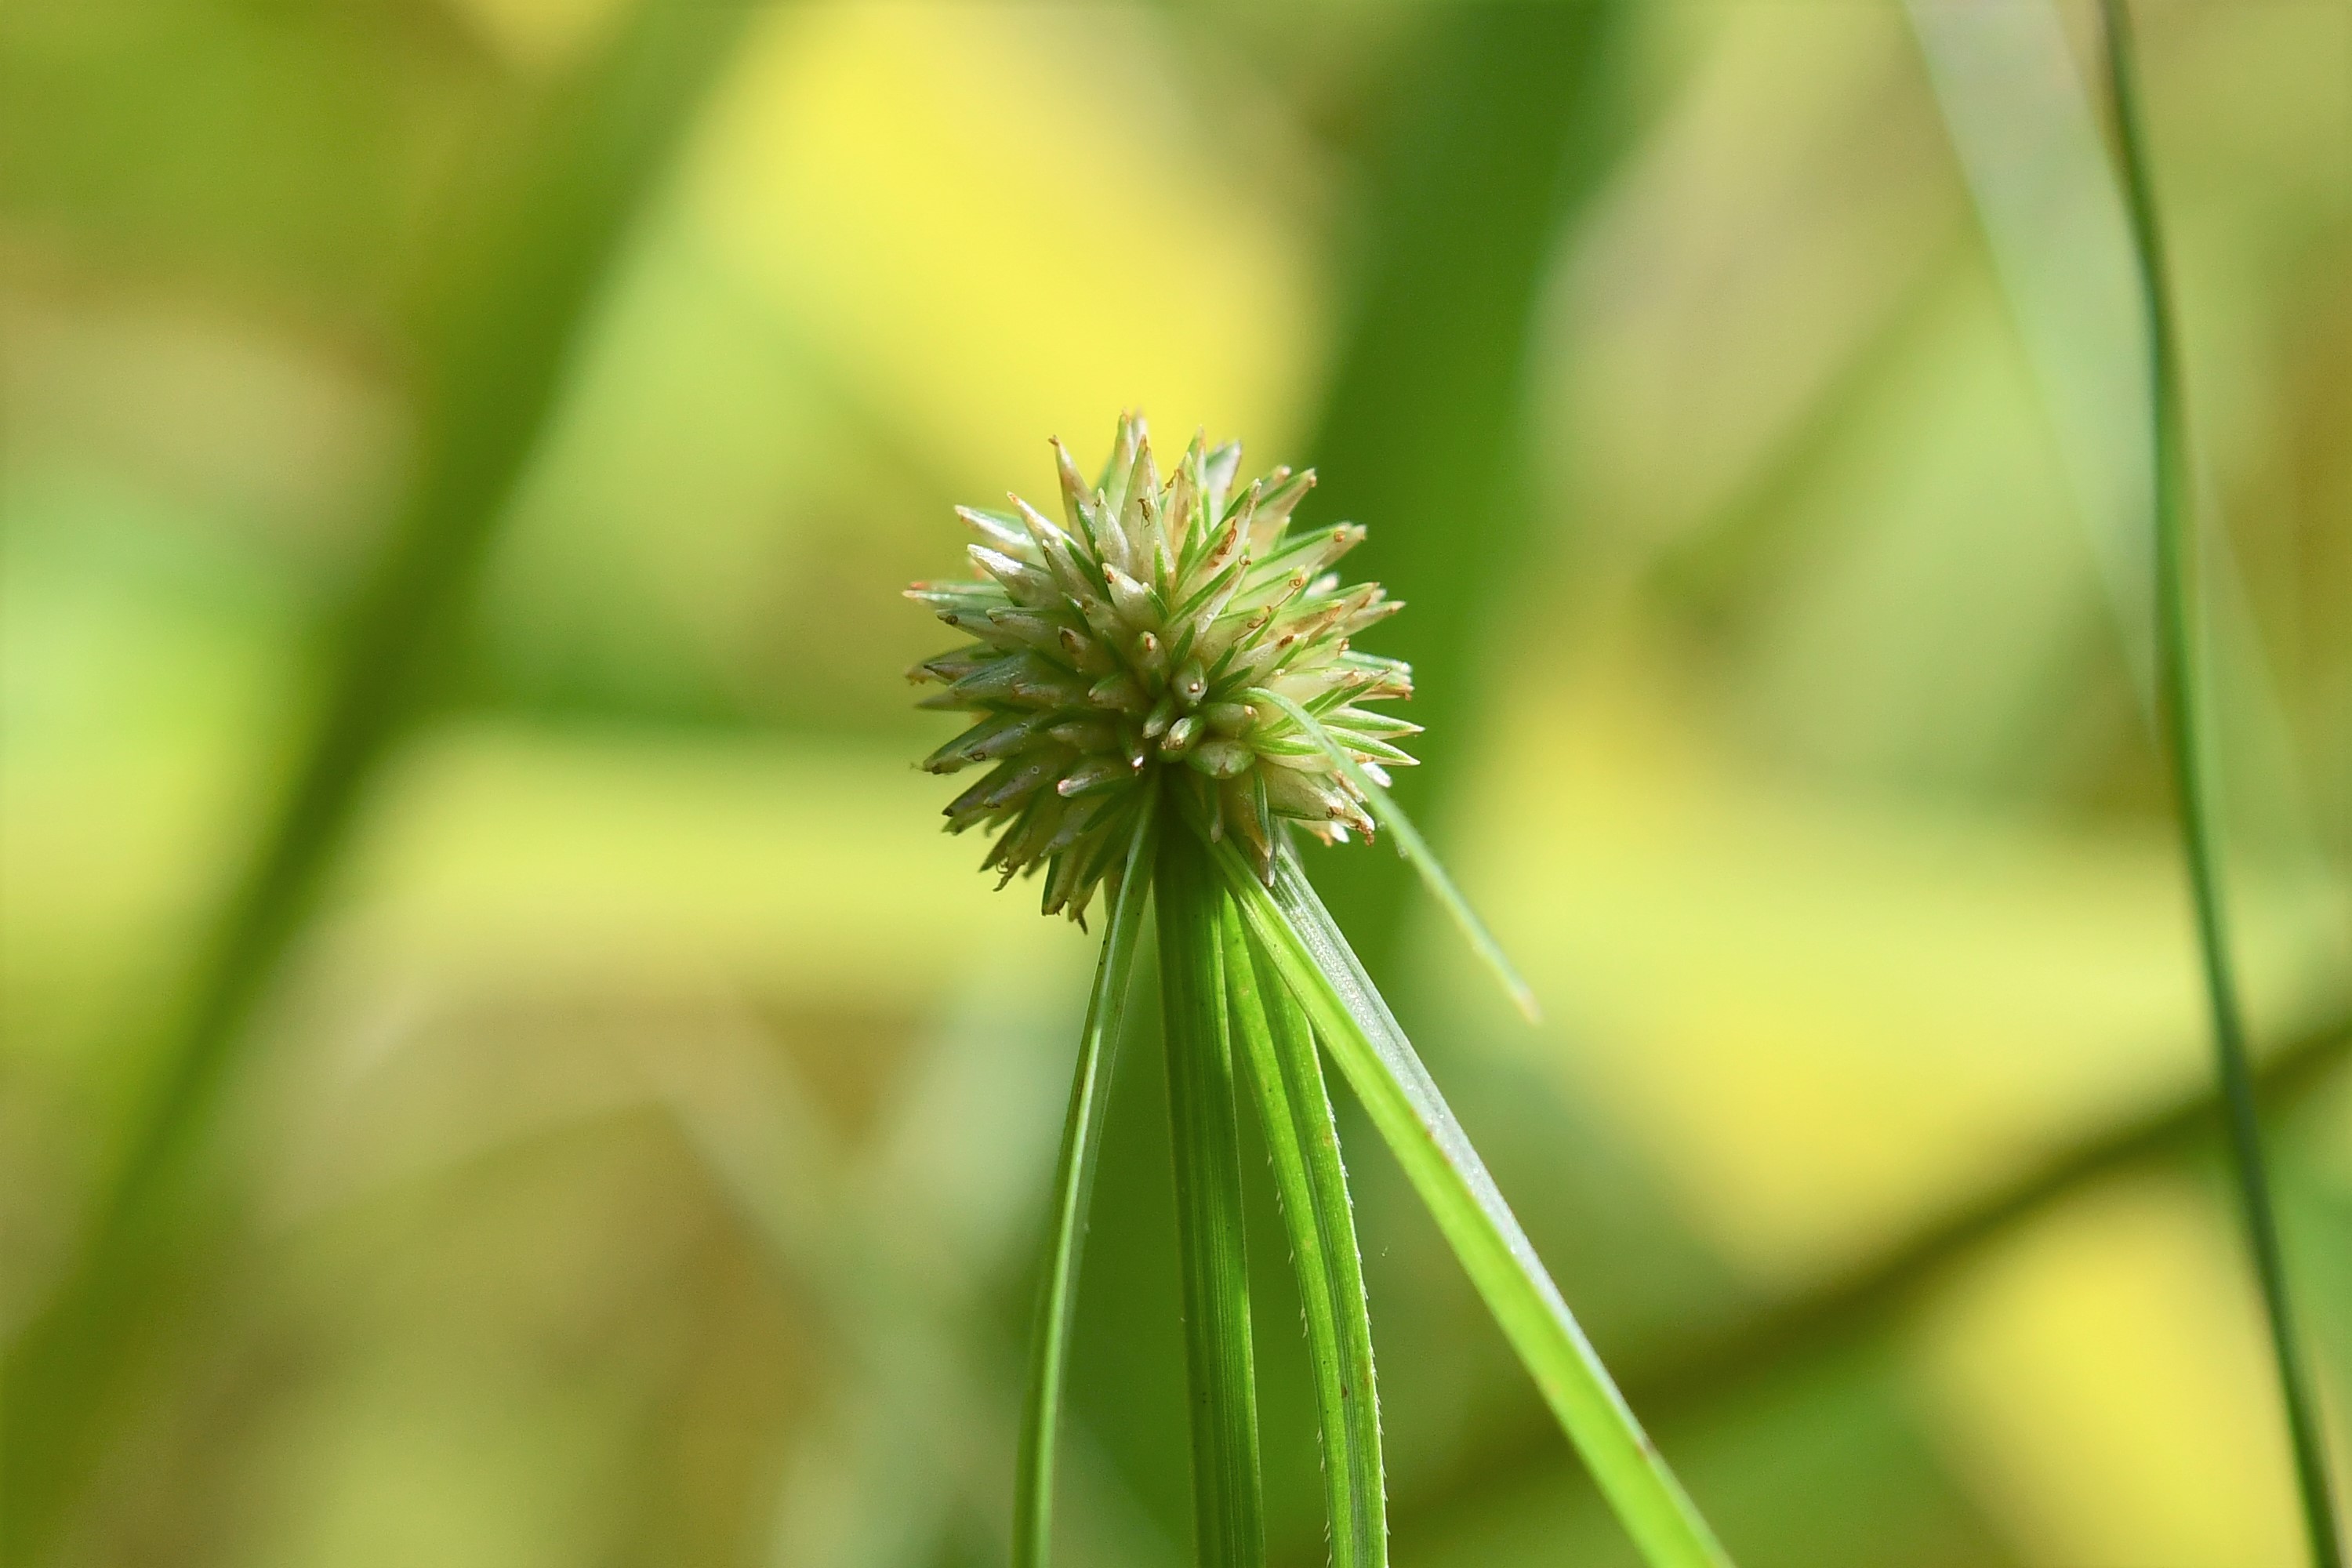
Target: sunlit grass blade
{"type": "Point", "coordinates": [2178, 702]}
{"type": "Point", "coordinates": [1228, 1506]}
{"type": "Point", "coordinates": [1032, 1496]}
{"type": "Point", "coordinates": [1315, 963]}
{"type": "Point", "coordinates": [1415, 851]}
{"type": "Point", "coordinates": [1273, 1041]}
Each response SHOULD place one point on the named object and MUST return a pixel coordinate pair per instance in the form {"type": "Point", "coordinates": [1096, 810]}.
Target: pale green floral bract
{"type": "Point", "coordinates": [1124, 641]}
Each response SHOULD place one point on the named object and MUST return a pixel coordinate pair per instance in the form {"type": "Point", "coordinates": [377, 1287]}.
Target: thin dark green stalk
{"type": "Point", "coordinates": [2187, 747]}
{"type": "Point", "coordinates": [1074, 1179]}
{"type": "Point", "coordinates": [494, 366]}
{"type": "Point", "coordinates": [1296, 1111]}
{"type": "Point", "coordinates": [1228, 1505]}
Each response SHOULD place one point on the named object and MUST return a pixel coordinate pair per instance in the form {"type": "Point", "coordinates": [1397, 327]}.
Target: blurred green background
{"type": "Point", "coordinates": [499, 1068]}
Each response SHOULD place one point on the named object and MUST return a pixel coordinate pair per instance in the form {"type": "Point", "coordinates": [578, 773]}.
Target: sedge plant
{"type": "Point", "coordinates": [1166, 697]}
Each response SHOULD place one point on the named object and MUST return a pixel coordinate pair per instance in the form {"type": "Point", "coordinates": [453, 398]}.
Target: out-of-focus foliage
{"type": "Point", "coordinates": [640, 1156]}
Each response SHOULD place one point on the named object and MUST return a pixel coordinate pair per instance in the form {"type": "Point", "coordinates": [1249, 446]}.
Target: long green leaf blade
{"type": "Point", "coordinates": [1296, 1111]}
{"type": "Point", "coordinates": [1416, 852]}
{"type": "Point", "coordinates": [1291, 925]}
{"type": "Point", "coordinates": [1073, 1177]}
{"type": "Point", "coordinates": [1229, 1508]}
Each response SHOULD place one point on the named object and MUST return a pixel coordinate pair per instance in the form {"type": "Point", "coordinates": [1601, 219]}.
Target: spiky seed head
{"type": "Point", "coordinates": [1114, 656]}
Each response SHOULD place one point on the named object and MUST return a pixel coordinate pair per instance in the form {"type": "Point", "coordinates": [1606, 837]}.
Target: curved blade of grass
{"type": "Point", "coordinates": [1315, 963]}
{"type": "Point", "coordinates": [1296, 1112]}
{"type": "Point", "coordinates": [2178, 702]}
{"type": "Point", "coordinates": [1074, 1180]}
{"type": "Point", "coordinates": [1228, 1507]}
{"type": "Point", "coordinates": [1416, 851]}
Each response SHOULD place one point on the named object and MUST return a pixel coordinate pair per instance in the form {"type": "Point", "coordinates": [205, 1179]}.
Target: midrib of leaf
{"type": "Point", "coordinates": [1033, 1497]}
{"type": "Point", "coordinates": [1316, 965]}
{"type": "Point", "coordinates": [1228, 1505]}
{"type": "Point", "coordinates": [1296, 1112]}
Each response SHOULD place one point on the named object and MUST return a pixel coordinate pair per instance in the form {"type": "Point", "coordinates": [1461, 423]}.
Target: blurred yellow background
{"type": "Point", "coordinates": [634, 1119]}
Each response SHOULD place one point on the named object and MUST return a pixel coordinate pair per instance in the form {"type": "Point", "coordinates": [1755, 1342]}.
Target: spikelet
{"type": "Point", "coordinates": [1113, 658]}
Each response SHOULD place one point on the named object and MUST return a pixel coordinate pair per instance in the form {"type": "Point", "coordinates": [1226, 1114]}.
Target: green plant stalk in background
{"type": "Point", "coordinates": [1507, 120]}
{"type": "Point", "coordinates": [496, 360]}
{"type": "Point", "coordinates": [2180, 707]}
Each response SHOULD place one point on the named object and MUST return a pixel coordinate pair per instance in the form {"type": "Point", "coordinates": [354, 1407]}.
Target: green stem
{"type": "Point", "coordinates": [1033, 1495]}
{"type": "Point", "coordinates": [2186, 744]}
{"type": "Point", "coordinates": [1303, 1142]}
{"type": "Point", "coordinates": [1316, 965]}
{"type": "Point", "coordinates": [1228, 1507]}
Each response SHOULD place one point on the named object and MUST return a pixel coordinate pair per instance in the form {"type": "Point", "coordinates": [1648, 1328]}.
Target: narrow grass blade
{"type": "Point", "coordinates": [1073, 1177]}
{"type": "Point", "coordinates": [2178, 700]}
{"type": "Point", "coordinates": [1415, 851]}
{"type": "Point", "coordinates": [1276, 1045]}
{"type": "Point", "coordinates": [1228, 1507]}
{"type": "Point", "coordinates": [1294, 930]}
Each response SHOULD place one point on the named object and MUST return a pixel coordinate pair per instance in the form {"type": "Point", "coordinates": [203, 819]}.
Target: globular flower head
{"type": "Point", "coordinates": [1122, 656]}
